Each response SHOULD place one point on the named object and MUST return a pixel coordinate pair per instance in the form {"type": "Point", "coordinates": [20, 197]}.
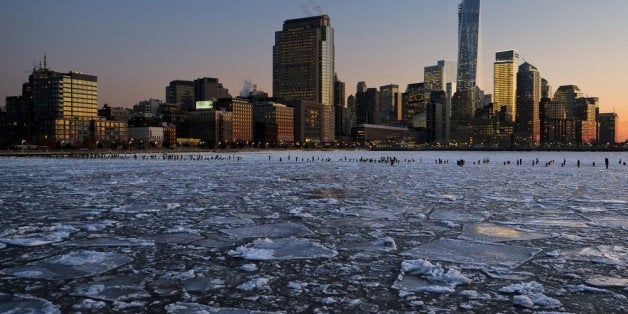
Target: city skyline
{"type": "Point", "coordinates": [136, 49]}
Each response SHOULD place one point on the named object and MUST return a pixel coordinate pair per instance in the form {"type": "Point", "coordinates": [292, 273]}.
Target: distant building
{"type": "Point", "coordinates": [181, 93]}
{"type": "Point", "coordinates": [608, 128]}
{"type": "Point", "coordinates": [437, 76]}
{"type": "Point", "coordinates": [242, 118]}
{"type": "Point", "coordinates": [274, 123]}
{"type": "Point", "coordinates": [212, 127]}
{"type": "Point", "coordinates": [465, 99]}
{"type": "Point", "coordinates": [208, 88]}
{"type": "Point", "coordinates": [146, 136]}
{"type": "Point", "coordinates": [65, 110]}
{"type": "Point", "coordinates": [505, 80]}
{"type": "Point", "coordinates": [303, 65]}
{"type": "Point", "coordinates": [390, 104]}
{"type": "Point", "coordinates": [371, 133]}
{"type": "Point", "coordinates": [527, 121]}
{"type": "Point", "coordinates": [546, 89]}
{"type": "Point", "coordinates": [340, 108]}
{"type": "Point", "coordinates": [414, 102]}
{"type": "Point", "coordinates": [556, 128]}
{"type": "Point", "coordinates": [437, 122]}
{"type": "Point", "coordinates": [147, 109]}
{"type": "Point", "coordinates": [308, 121]}
{"type": "Point", "coordinates": [368, 105]}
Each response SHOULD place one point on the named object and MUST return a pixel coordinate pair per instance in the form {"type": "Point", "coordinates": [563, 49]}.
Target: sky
{"type": "Point", "coordinates": [137, 47]}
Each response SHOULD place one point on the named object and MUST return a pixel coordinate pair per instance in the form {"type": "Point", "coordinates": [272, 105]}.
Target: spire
{"type": "Point", "coordinates": [45, 62]}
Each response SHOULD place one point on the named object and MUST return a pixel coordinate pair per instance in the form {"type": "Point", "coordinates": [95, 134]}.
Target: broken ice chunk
{"type": "Point", "coordinates": [282, 249]}
{"type": "Point", "coordinates": [474, 253]}
{"type": "Point", "coordinates": [494, 233]}
{"type": "Point", "coordinates": [606, 281]}
{"type": "Point", "coordinates": [604, 254]}
{"type": "Point", "coordinates": [282, 229]}
{"type": "Point", "coordinates": [71, 265]}
{"type": "Point", "coordinates": [34, 236]}
{"type": "Point", "coordinates": [257, 283]}
{"type": "Point", "coordinates": [190, 308]}
{"type": "Point", "coordinates": [25, 304]}
{"type": "Point", "coordinates": [421, 275]}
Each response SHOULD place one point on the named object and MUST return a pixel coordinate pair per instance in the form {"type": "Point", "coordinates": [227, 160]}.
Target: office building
{"type": "Point", "coordinates": [242, 118]}
{"type": "Point", "coordinates": [309, 121]}
{"type": "Point", "coordinates": [274, 123]}
{"type": "Point", "coordinates": [303, 65]}
{"type": "Point", "coordinates": [181, 93]}
{"type": "Point", "coordinates": [368, 105]}
{"type": "Point", "coordinates": [414, 101]}
{"type": "Point", "coordinates": [505, 80]}
{"type": "Point", "coordinates": [609, 126]}
{"type": "Point", "coordinates": [390, 104]}
{"type": "Point", "coordinates": [527, 121]}
{"type": "Point", "coordinates": [65, 110]}
{"type": "Point", "coordinates": [437, 76]}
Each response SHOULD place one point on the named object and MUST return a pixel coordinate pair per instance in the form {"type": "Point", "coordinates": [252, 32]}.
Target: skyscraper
{"type": "Point", "coordinates": [303, 64]}
{"type": "Point", "coordinates": [437, 76]}
{"type": "Point", "coordinates": [390, 102]}
{"type": "Point", "coordinates": [468, 39]}
{"type": "Point", "coordinates": [527, 122]}
{"type": "Point", "coordinates": [505, 80]}
{"type": "Point", "coordinates": [608, 128]}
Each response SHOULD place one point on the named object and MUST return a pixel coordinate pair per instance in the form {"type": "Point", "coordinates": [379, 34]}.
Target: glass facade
{"type": "Point", "coordinates": [303, 65]}
{"type": "Point", "coordinates": [505, 80]}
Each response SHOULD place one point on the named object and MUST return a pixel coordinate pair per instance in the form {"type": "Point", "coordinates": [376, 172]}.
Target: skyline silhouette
{"type": "Point", "coordinates": [136, 48]}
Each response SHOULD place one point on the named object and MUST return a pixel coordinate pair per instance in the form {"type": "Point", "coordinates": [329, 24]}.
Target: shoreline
{"type": "Point", "coordinates": [35, 153]}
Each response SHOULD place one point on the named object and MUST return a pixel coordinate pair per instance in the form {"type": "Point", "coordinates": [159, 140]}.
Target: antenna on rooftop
{"type": "Point", "coordinates": [45, 62]}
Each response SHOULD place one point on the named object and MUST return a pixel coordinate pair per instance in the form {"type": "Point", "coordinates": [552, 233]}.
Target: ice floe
{"type": "Point", "coordinates": [276, 230]}
{"type": "Point", "coordinates": [604, 254]}
{"type": "Point", "coordinates": [422, 276]}
{"type": "Point", "coordinates": [531, 295]}
{"type": "Point", "coordinates": [282, 249]}
{"type": "Point", "coordinates": [473, 253]}
{"type": "Point", "coordinates": [21, 303]}
{"type": "Point", "coordinates": [71, 265]}
{"type": "Point", "coordinates": [495, 233]}
{"type": "Point", "coordinates": [195, 308]}
{"type": "Point", "coordinates": [34, 236]}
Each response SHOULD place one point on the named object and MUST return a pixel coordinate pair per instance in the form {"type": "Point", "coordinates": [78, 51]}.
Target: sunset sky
{"type": "Point", "coordinates": [137, 47]}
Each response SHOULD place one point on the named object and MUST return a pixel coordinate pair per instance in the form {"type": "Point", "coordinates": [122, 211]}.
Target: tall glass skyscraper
{"type": "Point", "coordinates": [468, 38]}
{"type": "Point", "coordinates": [505, 81]}
{"type": "Point", "coordinates": [303, 63]}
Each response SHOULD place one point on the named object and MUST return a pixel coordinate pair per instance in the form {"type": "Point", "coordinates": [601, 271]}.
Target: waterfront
{"type": "Point", "coordinates": [312, 231]}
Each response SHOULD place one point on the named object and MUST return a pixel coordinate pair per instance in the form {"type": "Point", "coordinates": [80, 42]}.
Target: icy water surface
{"type": "Point", "coordinates": [327, 232]}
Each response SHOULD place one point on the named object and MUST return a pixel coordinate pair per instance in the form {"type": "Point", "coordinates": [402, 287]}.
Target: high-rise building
{"type": "Point", "coordinates": [390, 102]}
{"type": "Point", "coordinates": [608, 128]}
{"type": "Point", "coordinates": [65, 108]}
{"type": "Point", "coordinates": [437, 127]}
{"type": "Point", "coordinates": [437, 76]}
{"type": "Point", "coordinates": [181, 93]}
{"type": "Point", "coordinates": [546, 89]}
{"type": "Point", "coordinates": [505, 80]}
{"type": "Point", "coordinates": [303, 65]}
{"type": "Point", "coordinates": [340, 107]}
{"type": "Point", "coordinates": [527, 122]}
{"type": "Point", "coordinates": [414, 101]}
{"type": "Point", "coordinates": [368, 106]}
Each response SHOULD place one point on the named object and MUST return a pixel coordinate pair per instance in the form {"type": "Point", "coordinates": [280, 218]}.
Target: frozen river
{"type": "Point", "coordinates": [300, 231]}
